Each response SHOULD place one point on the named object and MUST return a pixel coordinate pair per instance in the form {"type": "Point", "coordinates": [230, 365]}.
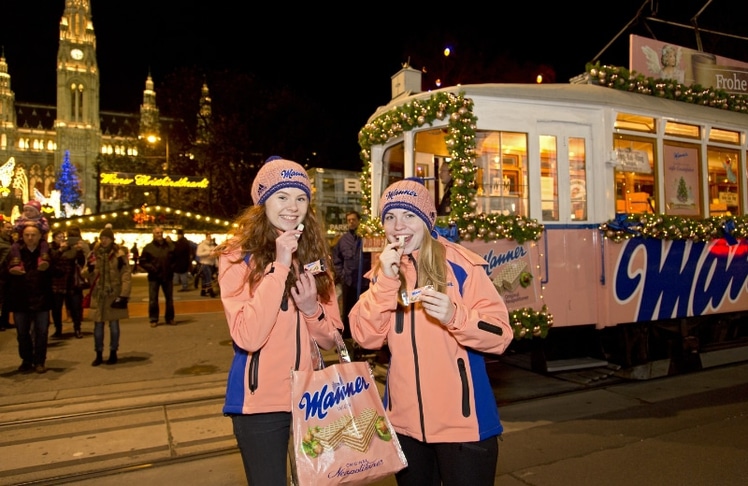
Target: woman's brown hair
{"type": "Point", "coordinates": [254, 234]}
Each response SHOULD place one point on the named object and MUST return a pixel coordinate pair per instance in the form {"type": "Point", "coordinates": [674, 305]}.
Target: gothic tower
{"type": "Point", "coordinates": [78, 123]}
{"type": "Point", "coordinates": [150, 124]}
{"type": "Point", "coordinates": [7, 107]}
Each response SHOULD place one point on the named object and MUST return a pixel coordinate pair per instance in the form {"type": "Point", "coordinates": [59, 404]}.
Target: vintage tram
{"type": "Point", "coordinates": [611, 210]}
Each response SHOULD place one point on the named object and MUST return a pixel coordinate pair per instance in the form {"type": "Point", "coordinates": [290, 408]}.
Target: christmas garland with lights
{"type": "Point", "coordinates": [460, 140]}
{"type": "Point", "coordinates": [625, 80]}
{"type": "Point", "coordinates": [663, 227]}
{"type": "Point", "coordinates": [659, 226]}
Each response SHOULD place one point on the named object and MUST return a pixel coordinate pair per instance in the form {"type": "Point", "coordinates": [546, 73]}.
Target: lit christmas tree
{"type": "Point", "coordinates": [68, 184]}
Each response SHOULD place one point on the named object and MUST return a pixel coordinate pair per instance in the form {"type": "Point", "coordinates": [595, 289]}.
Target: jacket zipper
{"type": "Point", "coordinates": [298, 340]}
{"type": "Point", "coordinates": [414, 346]}
{"type": "Point", "coordinates": [254, 364]}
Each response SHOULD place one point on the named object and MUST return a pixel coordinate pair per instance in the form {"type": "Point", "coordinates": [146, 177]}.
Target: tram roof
{"type": "Point", "coordinates": [585, 94]}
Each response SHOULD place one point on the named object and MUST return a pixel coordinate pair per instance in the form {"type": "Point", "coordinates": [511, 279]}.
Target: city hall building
{"type": "Point", "coordinates": [34, 138]}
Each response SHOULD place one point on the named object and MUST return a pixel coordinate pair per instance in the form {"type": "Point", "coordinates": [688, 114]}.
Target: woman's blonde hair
{"type": "Point", "coordinates": [254, 234]}
{"type": "Point", "coordinates": [431, 264]}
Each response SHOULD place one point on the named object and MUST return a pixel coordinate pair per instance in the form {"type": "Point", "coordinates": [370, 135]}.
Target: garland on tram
{"type": "Point", "coordinates": [464, 224]}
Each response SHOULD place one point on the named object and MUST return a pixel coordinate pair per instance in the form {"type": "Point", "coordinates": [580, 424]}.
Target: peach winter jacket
{"type": "Point", "coordinates": [270, 336]}
{"type": "Point", "coordinates": [437, 386]}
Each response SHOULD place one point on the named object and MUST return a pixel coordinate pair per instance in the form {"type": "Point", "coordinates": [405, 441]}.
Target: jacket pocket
{"type": "Point", "coordinates": [465, 387]}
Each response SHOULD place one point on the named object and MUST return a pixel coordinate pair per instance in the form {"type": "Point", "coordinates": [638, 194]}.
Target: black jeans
{"type": "Point", "coordinates": [168, 289]}
{"type": "Point", "coordinates": [448, 464]}
{"type": "Point", "coordinates": [263, 442]}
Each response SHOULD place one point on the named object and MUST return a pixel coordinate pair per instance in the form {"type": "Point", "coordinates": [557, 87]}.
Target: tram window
{"type": "Point", "coordinates": [501, 159]}
{"type": "Point", "coordinates": [638, 123]}
{"type": "Point", "coordinates": [578, 178]}
{"type": "Point", "coordinates": [682, 176]}
{"type": "Point", "coordinates": [724, 191]}
{"type": "Point", "coordinates": [635, 191]}
{"type": "Point", "coordinates": [393, 167]}
{"type": "Point", "coordinates": [549, 177]}
{"type": "Point", "coordinates": [724, 136]}
{"type": "Point", "coordinates": [682, 130]}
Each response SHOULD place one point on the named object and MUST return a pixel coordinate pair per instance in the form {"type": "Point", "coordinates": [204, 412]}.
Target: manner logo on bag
{"type": "Point", "coordinates": [318, 403]}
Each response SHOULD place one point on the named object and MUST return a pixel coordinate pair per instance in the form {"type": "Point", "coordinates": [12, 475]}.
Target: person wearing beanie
{"type": "Point", "coordinates": [275, 308]}
{"type": "Point", "coordinates": [31, 215]}
{"type": "Point", "coordinates": [110, 292]}
{"type": "Point", "coordinates": [432, 303]}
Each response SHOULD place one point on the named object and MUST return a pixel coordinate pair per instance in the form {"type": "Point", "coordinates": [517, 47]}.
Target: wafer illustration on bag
{"type": "Point", "coordinates": [355, 432]}
{"type": "Point", "coordinates": [510, 276]}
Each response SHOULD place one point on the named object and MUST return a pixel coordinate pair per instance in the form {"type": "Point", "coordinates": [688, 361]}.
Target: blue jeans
{"type": "Point", "coordinates": [99, 336]}
{"type": "Point", "coordinates": [182, 279]}
{"type": "Point", "coordinates": [207, 274]}
{"type": "Point", "coordinates": [168, 289]}
{"type": "Point", "coordinates": [31, 333]}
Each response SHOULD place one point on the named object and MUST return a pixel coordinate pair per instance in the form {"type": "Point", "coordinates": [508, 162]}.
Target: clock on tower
{"type": "Point", "coordinates": [76, 54]}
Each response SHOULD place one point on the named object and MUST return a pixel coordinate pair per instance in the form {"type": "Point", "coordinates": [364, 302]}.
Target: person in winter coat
{"type": "Point", "coordinates": [274, 307]}
{"type": "Point", "coordinates": [6, 240]}
{"type": "Point", "coordinates": [434, 305]}
{"type": "Point", "coordinates": [111, 280]}
{"type": "Point", "coordinates": [183, 256]}
{"type": "Point", "coordinates": [68, 254]}
{"type": "Point", "coordinates": [29, 298]}
{"type": "Point", "coordinates": [157, 259]}
{"type": "Point", "coordinates": [32, 215]}
{"type": "Point", "coordinates": [351, 262]}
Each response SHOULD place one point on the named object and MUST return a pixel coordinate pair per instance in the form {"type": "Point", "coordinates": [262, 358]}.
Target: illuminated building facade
{"type": "Point", "coordinates": [35, 136]}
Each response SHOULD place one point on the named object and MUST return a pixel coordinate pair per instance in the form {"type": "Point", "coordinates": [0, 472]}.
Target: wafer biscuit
{"type": "Point", "coordinates": [358, 432]}
{"type": "Point", "coordinates": [330, 435]}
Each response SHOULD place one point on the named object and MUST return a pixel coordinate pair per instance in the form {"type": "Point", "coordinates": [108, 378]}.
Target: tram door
{"type": "Point", "coordinates": [570, 273]}
{"type": "Point", "coordinates": [564, 172]}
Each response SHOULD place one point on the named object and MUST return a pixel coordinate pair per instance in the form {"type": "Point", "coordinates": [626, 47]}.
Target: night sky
{"type": "Point", "coordinates": [346, 56]}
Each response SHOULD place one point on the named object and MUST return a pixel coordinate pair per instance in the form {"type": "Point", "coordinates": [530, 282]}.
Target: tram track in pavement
{"type": "Point", "coordinates": [105, 432]}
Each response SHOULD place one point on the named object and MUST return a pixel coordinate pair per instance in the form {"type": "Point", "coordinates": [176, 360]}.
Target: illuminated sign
{"type": "Point", "coordinates": [150, 180]}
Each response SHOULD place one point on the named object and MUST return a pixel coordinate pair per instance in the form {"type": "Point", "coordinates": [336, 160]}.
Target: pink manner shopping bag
{"type": "Point", "coordinates": [340, 432]}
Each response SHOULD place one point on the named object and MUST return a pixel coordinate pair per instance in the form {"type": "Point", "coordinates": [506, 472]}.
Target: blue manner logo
{"type": "Point", "coordinates": [680, 278]}
{"type": "Point", "coordinates": [318, 403]}
{"type": "Point", "coordinates": [291, 173]}
{"type": "Point", "coordinates": [495, 261]}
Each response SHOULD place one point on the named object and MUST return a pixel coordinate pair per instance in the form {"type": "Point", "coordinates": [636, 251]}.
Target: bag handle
{"type": "Point", "coordinates": [318, 362]}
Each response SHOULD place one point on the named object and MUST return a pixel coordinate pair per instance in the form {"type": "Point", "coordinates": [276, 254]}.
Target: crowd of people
{"type": "Point", "coordinates": [42, 282]}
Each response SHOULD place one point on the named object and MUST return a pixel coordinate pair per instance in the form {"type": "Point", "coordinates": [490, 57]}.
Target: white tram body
{"type": "Point", "coordinates": [575, 157]}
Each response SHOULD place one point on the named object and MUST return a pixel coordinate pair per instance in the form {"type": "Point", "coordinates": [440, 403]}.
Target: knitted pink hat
{"type": "Point", "coordinates": [276, 174]}
{"type": "Point", "coordinates": [34, 204]}
{"type": "Point", "coordinates": [409, 194]}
